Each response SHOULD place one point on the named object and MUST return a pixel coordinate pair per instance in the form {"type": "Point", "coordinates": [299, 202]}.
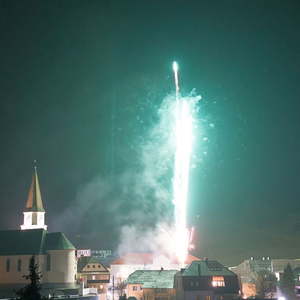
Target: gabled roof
{"type": "Point", "coordinates": [57, 241]}
{"type": "Point", "coordinates": [32, 242]}
{"type": "Point", "coordinates": [34, 201]}
{"type": "Point", "coordinates": [26, 242]}
{"type": "Point", "coordinates": [153, 278]}
{"type": "Point", "coordinates": [206, 268]}
{"type": "Point", "coordinates": [84, 260]}
{"type": "Point", "coordinates": [135, 258]}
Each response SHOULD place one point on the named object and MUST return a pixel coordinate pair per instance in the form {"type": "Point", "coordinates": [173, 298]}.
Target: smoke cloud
{"type": "Point", "coordinates": [131, 211]}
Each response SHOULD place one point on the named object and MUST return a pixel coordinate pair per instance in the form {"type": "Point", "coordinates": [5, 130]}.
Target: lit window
{"type": "Point", "coordinates": [218, 281]}
{"type": "Point", "coordinates": [93, 277]}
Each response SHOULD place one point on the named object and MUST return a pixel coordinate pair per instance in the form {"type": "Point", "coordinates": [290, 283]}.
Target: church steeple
{"type": "Point", "coordinates": [34, 214]}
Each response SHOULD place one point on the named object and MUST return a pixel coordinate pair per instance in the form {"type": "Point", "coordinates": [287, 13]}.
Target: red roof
{"type": "Point", "coordinates": [146, 259]}
{"type": "Point", "coordinates": [134, 259]}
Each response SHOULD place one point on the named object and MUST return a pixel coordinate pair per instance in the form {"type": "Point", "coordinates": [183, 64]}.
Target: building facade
{"type": "Point", "coordinates": [151, 285]}
{"type": "Point", "coordinates": [206, 280]}
{"type": "Point", "coordinates": [93, 273]}
{"type": "Point", "coordinates": [249, 268]}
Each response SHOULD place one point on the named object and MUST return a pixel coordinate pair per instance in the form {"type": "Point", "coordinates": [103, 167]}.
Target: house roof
{"type": "Point", "coordinates": [153, 278]}
{"type": "Point", "coordinates": [34, 200]}
{"type": "Point", "coordinates": [206, 268]}
{"type": "Point", "coordinates": [145, 259]}
{"type": "Point", "coordinates": [84, 260]}
{"type": "Point", "coordinates": [32, 242]}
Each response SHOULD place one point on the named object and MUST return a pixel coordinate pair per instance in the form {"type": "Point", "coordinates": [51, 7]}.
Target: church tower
{"type": "Point", "coordinates": [34, 214]}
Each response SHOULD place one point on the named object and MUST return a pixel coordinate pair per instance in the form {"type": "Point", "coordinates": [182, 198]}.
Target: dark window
{"type": "Point", "coordinates": [88, 266]}
{"type": "Point", "coordinates": [134, 288]}
{"type": "Point", "coordinates": [93, 266]}
{"type": "Point", "coordinates": [99, 266]}
{"type": "Point", "coordinates": [48, 262]}
{"type": "Point", "coordinates": [19, 266]}
{"type": "Point", "coordinates": [7, 265]}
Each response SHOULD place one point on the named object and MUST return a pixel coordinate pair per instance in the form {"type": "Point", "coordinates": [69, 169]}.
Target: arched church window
{"type": "Point", "coordinates": [8, 265]}
{"type": "Point", "coordinates": [19, 265]}
{"type": "Point", "coordinates": [48, 262]}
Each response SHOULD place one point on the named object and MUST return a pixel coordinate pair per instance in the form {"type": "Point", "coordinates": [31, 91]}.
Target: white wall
{"type": "Point", "coordinates": [15, 276]}
{"type": "Point", "coordinates": [63, 267]}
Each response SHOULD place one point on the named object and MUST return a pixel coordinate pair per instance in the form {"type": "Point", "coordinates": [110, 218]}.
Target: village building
{"type": "Point", "coordinates": [53, 252]}
{"type": "Point", "coordinates": [93, 273]}
{"type": "Point", "coordinates": [151, 285]}
{"type": "Point", "coordinates": [248, 269]}
{"type": "Point", "coordinates": [206, 280]}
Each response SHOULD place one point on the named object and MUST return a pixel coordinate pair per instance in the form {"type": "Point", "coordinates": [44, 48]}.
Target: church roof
{"type": "Point", "coordinates": [57, 241]}
{"type": "Point", "coordinates": [34, 200]}
{"type": "Point", "coordinates": [32, 242]}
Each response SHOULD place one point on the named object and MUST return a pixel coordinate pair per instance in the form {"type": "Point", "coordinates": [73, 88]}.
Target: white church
{"type": "Point", "coordinates": [53, 252]}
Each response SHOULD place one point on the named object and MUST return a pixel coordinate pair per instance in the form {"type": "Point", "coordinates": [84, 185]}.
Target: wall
{"type": "Point", "coordinates": [248, 289]}
{"type": "Point", "coordinates": [134, 290]}
{"type": "Point", "coordinates": [162, 294]}
{"type": "Point", "coordinates": [63, 267]}
{"type": "Point", "coordinates": [15, 276]}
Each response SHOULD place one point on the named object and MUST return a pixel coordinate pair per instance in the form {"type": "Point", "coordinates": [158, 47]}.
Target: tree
{"type": "Point", "coordinates": [32, 290]}
{"type": "Point", "coordinates": [287, 283]}
{"type": "Point", "coordinates": [121, 286]}
{"type": "Point", "coordinates": [265, 283]}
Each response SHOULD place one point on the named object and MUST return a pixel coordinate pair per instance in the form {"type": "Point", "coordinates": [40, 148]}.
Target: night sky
{"type": "Point", "coordinates": [81, 83]}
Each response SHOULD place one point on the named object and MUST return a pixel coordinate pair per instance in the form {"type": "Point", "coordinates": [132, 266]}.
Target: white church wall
{"type": "Point", "coordinates": [14, 273]}
{"type": "Point", "coordinates": [63, 267]}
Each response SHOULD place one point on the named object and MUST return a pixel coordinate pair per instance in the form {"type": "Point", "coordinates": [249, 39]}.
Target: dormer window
{"type": "Point", "coordinates": [218, 281]}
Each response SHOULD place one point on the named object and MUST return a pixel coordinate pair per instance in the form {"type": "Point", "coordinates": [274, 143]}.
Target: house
{"type": "Point", "coordinates": [247, 272]}
{"type": "Point", "coordinates": [93, 273]}
{"type": "Point", "coordinates": [53, 252]}
{"type": "Point", "coordinates": [206, 280]}
{"type": "Point", "coordinates": [151, 285]}
{"type": "Point", "coordinates": [122, 267]}
{"type": "Point", "coordinates": [249, 268]}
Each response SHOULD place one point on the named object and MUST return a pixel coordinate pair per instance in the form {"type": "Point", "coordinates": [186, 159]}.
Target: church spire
{"type": "Point", "coordinates": [34, 199]}
{"type": "Point", "coordinates": [34, 213]}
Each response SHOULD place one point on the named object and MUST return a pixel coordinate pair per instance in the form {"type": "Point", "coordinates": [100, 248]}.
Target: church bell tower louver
{"type": "Point", "coordinates": [34, 214]}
